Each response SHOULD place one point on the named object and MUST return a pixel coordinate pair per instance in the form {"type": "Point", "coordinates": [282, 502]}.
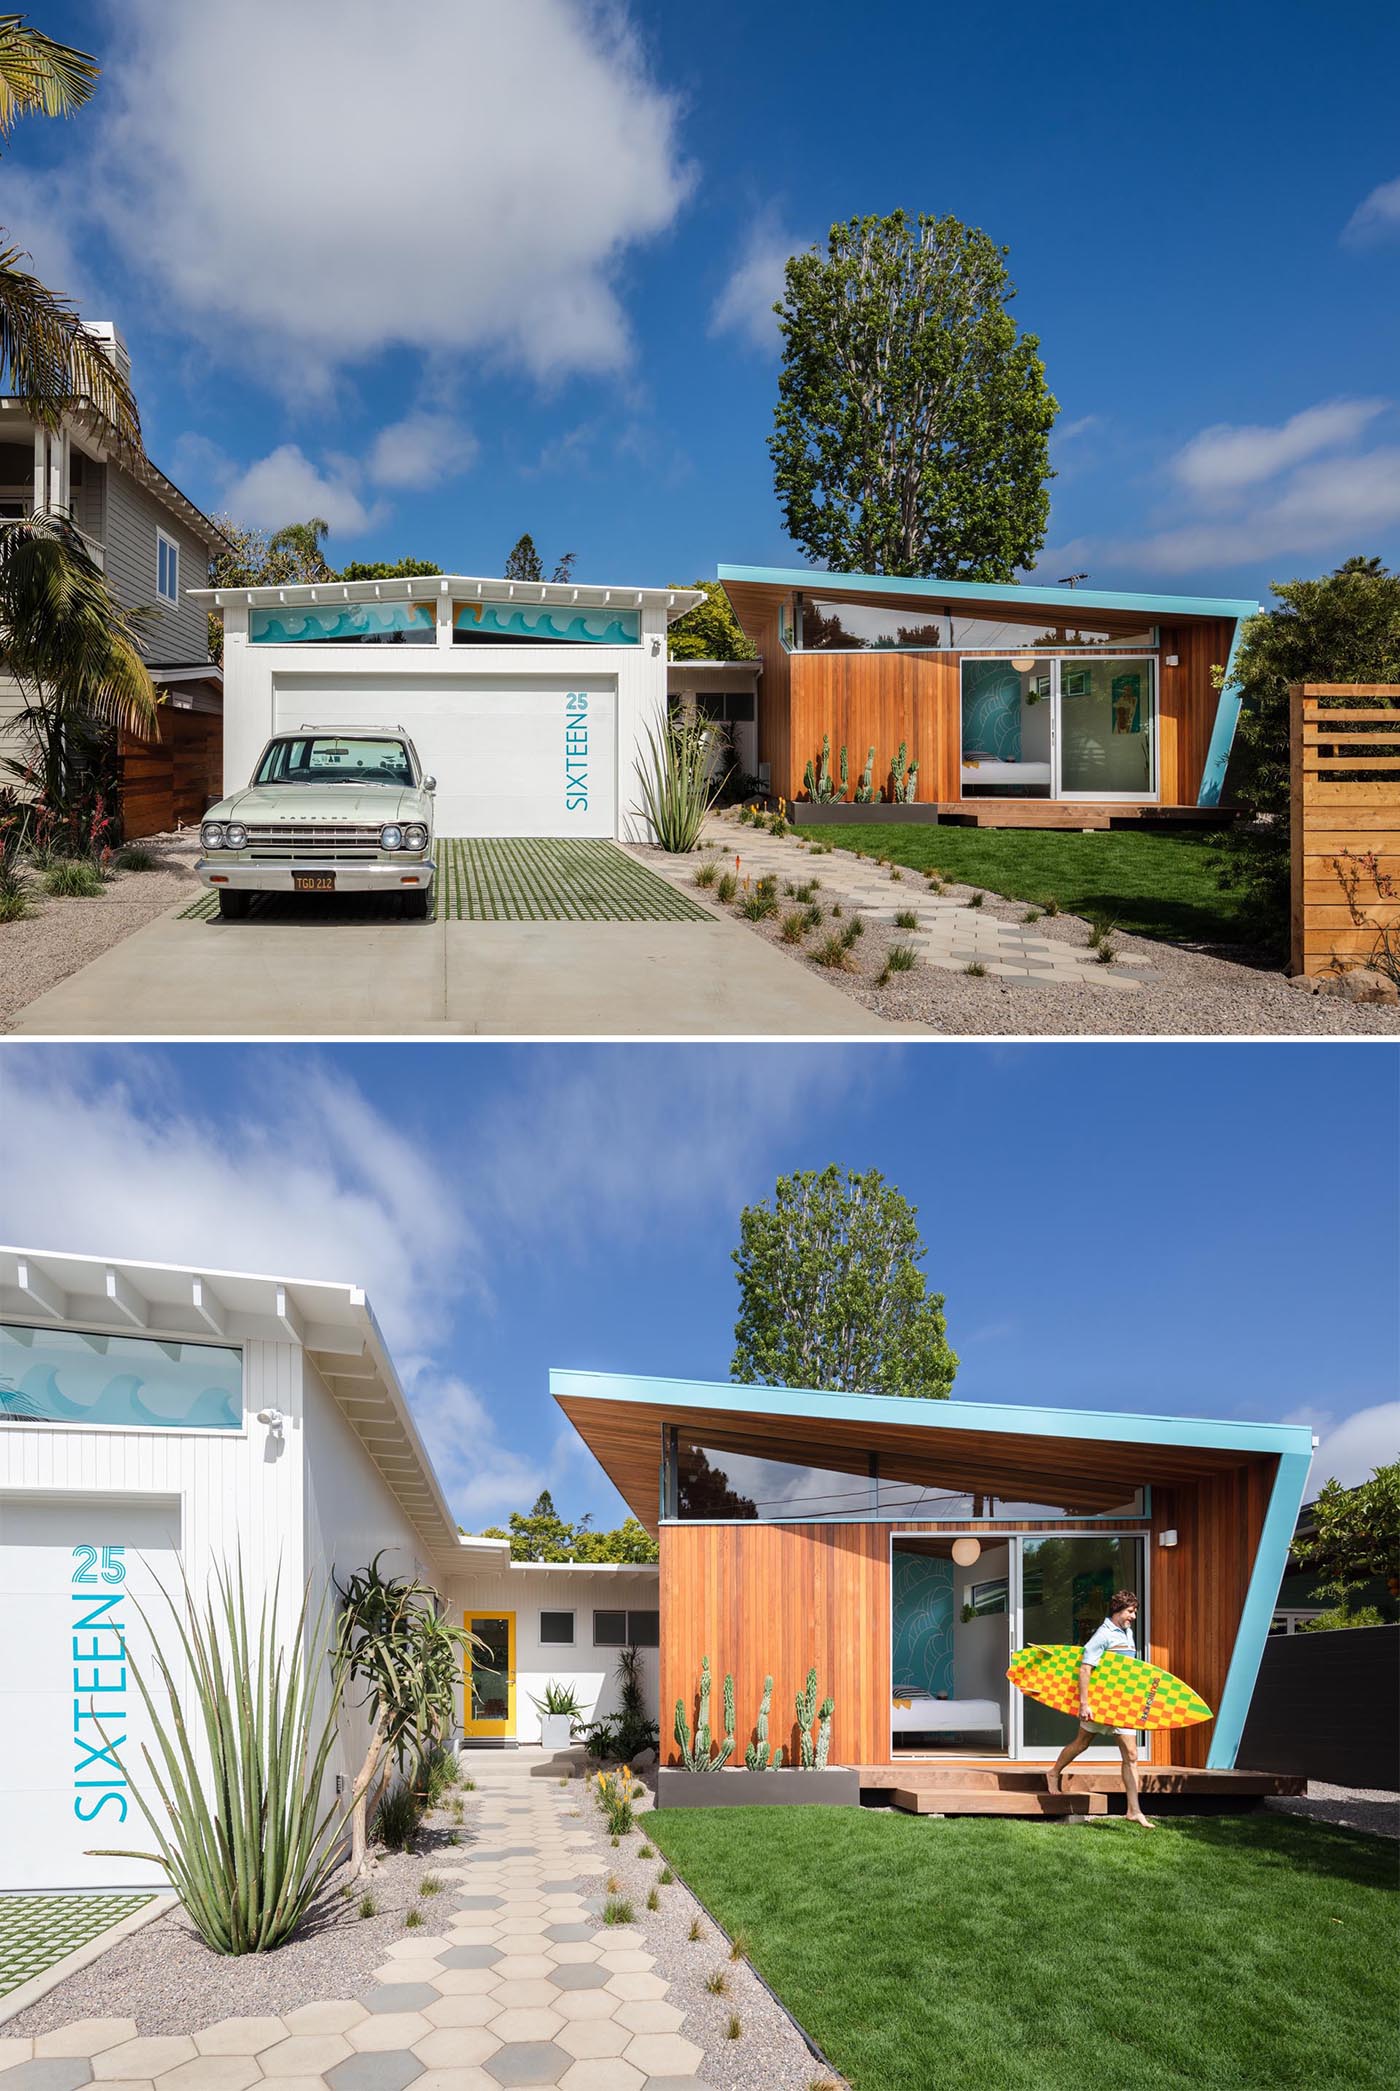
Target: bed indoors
{"type": "Point", "coordinates": [921, 1713]}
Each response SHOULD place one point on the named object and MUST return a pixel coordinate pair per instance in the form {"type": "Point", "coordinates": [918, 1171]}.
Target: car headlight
{"type": "Point", "coordinates": [235, 835]}
{"type": "Point", "coordinates": [212, 835]}
{"type": "Point", "coordinates": [391, 837]}
{"type": "Point", "coordinates": [415, 835]}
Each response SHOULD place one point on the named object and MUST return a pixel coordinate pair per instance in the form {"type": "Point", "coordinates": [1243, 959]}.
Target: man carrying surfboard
{"type": "Point", "coordinates": [1116, 1632]}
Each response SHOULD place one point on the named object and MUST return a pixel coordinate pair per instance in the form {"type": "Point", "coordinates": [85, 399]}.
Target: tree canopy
{"type": "Point", "coordinates": [1357, 1532]}
{"type": "Point", "coordinates": [1343, 627]}
{"type": "Point", "coordinates": [542, 1535]}
{"type": "Point", "coordinates": [523, 562]}
{"type": "Point", "coordinates": [711, 631]}
{"type": "Point", "coordinates": [912, 424]}
{"type": "Point", "coordinates": [387, 570]}
{"type": "Point", "coordinates": [831, 1294]}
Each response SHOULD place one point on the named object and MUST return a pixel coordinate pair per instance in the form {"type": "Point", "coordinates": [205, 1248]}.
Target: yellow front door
{"type": "Point", "coordinates": [489, 1695]}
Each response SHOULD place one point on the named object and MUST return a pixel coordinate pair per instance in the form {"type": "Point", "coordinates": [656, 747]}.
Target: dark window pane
{"type": "Point", "coordinates": [739, 710]}
{"type": "Point", "coordinates": [557, 1627]}
{"type": "Point", "coordinates": [644, 1629]}
{"type": "Point", "coordinates": [609, 1629]}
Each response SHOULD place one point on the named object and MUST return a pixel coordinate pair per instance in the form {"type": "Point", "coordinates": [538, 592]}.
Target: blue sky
{"type": "Point", "coordinates": [508, 268]}
{"type": "Point", "coordinates": [1206, 1229]}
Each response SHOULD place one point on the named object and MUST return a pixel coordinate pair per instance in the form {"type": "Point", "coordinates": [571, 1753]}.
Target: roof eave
{"type": "Point", "coordinates": [1160, 607]}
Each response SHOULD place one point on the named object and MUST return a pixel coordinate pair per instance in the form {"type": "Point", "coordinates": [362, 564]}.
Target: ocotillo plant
{"type": "Point", "coordinates": [865, 790]}
{"type": "Point", "coordinates": [702, 1755]}
{"type": "Point", "coordinates": [759, 1756]}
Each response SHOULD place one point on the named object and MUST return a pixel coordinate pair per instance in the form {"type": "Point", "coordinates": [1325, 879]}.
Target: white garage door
{"type": "Point", "coordinates": [72, 1721]}
{"type": "Point", "coordinates": [534, 757]}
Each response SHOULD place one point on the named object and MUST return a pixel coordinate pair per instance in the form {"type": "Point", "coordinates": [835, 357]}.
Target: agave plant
{"type": "Point", "coordinates": [248, 1846]}
{"type": "Point", "coordinates": [675, 783]}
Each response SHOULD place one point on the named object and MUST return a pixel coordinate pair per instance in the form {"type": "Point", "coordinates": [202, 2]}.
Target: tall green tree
{"type": "Point", "coordinates": [47, 357]}
{"type": "Point", "coordinates": [542, 1535]}
{"type": "Point", "coordinates": [1343, 627]}
{"type": "Point", "coordinates": [387, 570]}
{"type": "Point", "coordinates": [523, 562]}
{"type": "Point", "coordinates": [831, 1294]}
{"type": "Point", "coordinates": [251, 558]}
{"type": "Point", "coordinates": [711, 631]}
{"type": "Point", "coordinates": [1356, 1535]}
{"type": "Point", "coordinates": [911, 434]}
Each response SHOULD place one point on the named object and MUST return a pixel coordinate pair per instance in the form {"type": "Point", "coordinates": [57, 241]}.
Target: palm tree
{"type": "Point", "coordinates": [301, 543]}
{"type": "Point", "coordinates": [51, 359]}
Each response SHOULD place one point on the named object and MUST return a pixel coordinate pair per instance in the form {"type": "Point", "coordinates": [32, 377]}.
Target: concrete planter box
{"type": "Point", "coordinates": [836, 1787]}
{"type": "Point", "coordinates": [805, 813]}
{"type": "Point", "coordinates": [556, 1730]}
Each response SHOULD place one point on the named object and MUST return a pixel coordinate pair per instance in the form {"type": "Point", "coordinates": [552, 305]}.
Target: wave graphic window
{"type": "Point", "coordinates": [133, 1382]}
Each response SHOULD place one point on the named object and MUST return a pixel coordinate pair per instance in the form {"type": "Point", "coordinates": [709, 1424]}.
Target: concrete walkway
{"type": "Point", "coordinates": [514, 1985]}
{"type": "Point", "coordinates": [356, 974]}
{"type": "Point", "coordinates": [950, 934]}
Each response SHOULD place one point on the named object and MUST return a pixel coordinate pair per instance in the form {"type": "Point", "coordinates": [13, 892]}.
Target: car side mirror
{"type": "Point", "coordinates": [430, 784]}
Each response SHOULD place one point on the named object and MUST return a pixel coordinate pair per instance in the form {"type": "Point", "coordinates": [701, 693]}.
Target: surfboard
{"type": "Point", "coordinates": [1124, 1691]}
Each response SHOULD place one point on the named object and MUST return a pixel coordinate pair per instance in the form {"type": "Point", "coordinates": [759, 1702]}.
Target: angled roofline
{"type": "Point", "coordinates": [818, 579]}
{"type": "Point", "coordinates": [1004, 1418]}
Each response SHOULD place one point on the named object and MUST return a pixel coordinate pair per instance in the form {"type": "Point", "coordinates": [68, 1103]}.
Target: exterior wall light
{"type": "Point", "coordinates": [274, 1419]}
{"type": "Point", "coordinates": [966, 1551]}
{"type": "Point", "coordinates": [1167, 1538]}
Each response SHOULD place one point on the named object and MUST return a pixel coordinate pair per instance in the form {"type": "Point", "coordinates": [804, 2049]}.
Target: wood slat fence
{"type": "Point", "coordinates": [1345, 830]}
{"type": "Point", "coordinates": [167, 782]}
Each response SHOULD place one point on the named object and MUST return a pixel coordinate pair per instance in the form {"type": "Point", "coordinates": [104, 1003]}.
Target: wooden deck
{"type": "Point", "coordinates": [976, 1786]}
{"type": "Point", "coordinates": [1063, 813]}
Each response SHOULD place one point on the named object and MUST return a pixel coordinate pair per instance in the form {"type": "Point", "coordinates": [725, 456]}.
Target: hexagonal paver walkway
{"type": "Point", "coordinates": [512, 1985]}
{"type": "Point", "coordinates": [950, 933]}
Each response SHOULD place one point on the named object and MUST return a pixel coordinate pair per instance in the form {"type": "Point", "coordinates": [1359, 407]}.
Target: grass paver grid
{"type": "Point", "coordinates": [533, 879]}
{"type": "Point", "coordinates": [36, 1931]}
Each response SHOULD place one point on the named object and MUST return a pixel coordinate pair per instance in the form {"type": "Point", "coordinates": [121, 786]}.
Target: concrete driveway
{"type": "Point", "coordinates": [351, 968]}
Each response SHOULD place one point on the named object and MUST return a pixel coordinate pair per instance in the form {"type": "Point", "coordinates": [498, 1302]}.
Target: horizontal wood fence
{"type": "Point", "coordinates": [168, 781]}
{"type": "Point", "coordinates": [1328, 1706]}
{"type": "Point", "coordinates": [1345, 832]}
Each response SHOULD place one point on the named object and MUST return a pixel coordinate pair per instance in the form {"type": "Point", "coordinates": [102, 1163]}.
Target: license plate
{"type": "Point", "coordinates": [313, 882]}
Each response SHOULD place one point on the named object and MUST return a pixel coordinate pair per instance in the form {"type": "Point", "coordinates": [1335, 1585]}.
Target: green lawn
{"type": "Point", "coordinates": [1026, 1956]}
{"type": "Point", "coordinates": [1151, 885]}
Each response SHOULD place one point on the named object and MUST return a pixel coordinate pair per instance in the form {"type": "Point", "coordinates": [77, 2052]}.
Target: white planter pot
{"type": "Point", "coordinates": [555, 1730]}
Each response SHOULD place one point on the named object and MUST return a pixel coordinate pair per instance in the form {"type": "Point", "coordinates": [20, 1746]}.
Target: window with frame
{"type": "Point", "coordinates": [609, 1629]}
{"type": "Point", "coordinates": [167, 568]}
{"type": "Point", "coordinates": [620, 1629]}
{"type": "Point", "coordinates": [557, 1629]}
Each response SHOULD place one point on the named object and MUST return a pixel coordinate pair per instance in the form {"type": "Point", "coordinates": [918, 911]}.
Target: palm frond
{"type": "Point", "coordinates": [50, 360]}
{"type": "Point", "coordinates": [64, 633]}
{"type": "Point", "coordinates": [40, 76]}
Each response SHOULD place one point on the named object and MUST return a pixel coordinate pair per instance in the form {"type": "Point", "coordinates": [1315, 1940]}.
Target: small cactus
{"type": "Point", "coordinates": [897, 770]}
{"type": "Point", "coordinates": [806, 1714]}
{"type": "Point", "coordinates": [828, 1708]}
{"type": "Point", "coordinates": [845, 771]}
{"type": "Point", "coordinates": [702, 1755]}
{"type": "Point", "coordinates": [865, 790]}
{"type": "Point", "coordinates": [759, 1756]}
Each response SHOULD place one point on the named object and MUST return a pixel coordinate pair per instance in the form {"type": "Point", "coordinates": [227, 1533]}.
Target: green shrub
{"type": "Point", "coordinates": [834, 953]}
{"type": "Point", "coordinates": [430, 1885]}
{"type": "Point", "coordinates": [134, 858]}
{"type": "Point", "coordinates": [14, 900]}
{"type": "Point", "coordinates": [717, 1982]}
{"type": "Point", "coordinates": [653, 1899]}
{"type": "Point", "coordinates": [397, 1818]}
{"type": "Point", "coordinates": [674, 779]}
{"type": "Point", "coordinates": [727, 887]}
{"type": "Point", "coordinates": [976, 900]}
{"type": "Point", "coordinates": [618, 1910]}
{"type": "Point", "coordinates": [73, 878]}
{"type": "Point", "coordinates": [646, 1851]}
{"type": "Point", "coordinates": [901, 958]}
{"type": "Point", "coordinates": [1032, 915]}
{"type": "Point", "coordinates": [1050, 906]}
{"type": "Point", "coordinates": [794, 927]}
{"type": "Point", "coordinates": [976, 971]}
{"type": "Point", "coordinates": [906, 919]}
{"type": "Point", "coordinates": [813, 914]}
{"type": "Point", "coordinates": [696, 1931]}
{"type": "Point", "coordinates": [367, 1906]}
{"type": "Point", "coordinates": [414, 1920]}
{"type": "Point", "coordinates": [758, 903]}
{"type": "Point", "coordinates": [665, 1877]}
{"type": "Point", "coordinates": [735, 2027]}
{"type": "Point", "coordinates": [854, 928]}
{"type": "Point", "coordinates": [707, 873]}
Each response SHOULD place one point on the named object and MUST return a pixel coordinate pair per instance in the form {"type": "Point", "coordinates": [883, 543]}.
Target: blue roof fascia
{"type": "Point", "coordinates": [1284, 1439]}
{"type": "Point", "coordinates": [1270, 1561]}
{"type": "Point", "coordinates": [1161, 608]}
{"type": "Point", "coordinates": [1222, 735]}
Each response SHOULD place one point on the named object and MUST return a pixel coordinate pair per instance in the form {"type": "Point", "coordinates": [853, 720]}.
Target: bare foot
{"type": "Point", "coordinates": [1142, 1822]}
{"type": "Point", "coordinates": [1052, 1781]}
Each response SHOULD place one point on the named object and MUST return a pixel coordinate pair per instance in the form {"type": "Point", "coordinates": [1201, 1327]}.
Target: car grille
{"type": "Point", "coordinates": [336, 841]}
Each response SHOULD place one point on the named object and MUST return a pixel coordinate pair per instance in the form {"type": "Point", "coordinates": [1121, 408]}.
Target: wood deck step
{"type": "Point", "coordinates": [982, 1800]}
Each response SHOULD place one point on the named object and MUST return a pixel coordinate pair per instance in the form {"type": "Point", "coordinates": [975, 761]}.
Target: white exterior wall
{"type": "Point", "coordinates": [255, 675]}
{"type": "Point", "coordinates": [527, 1591]}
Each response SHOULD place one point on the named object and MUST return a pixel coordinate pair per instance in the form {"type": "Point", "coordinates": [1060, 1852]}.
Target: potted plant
{"type": "Point", "coordinates": [558, 1710]}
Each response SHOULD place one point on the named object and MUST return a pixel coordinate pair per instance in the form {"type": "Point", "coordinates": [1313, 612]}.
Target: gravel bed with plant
{"type": "Point", "coordinates": [1187, 993]}
{"type": "Point", "coordinates": [169, 1981]}
{"type": "Point", "coordinates": [54, 933]}
{"type": "Point", "coordinates": [750, 2042]}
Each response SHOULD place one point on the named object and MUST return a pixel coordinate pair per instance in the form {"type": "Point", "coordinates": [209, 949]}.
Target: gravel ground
{"type": "Point", "coordinates": [61, 936]}
{"type": "Point", "coordinates": [1368, 1808]}
{"type": "Point", "coordinates": [1188, 993]}
{"type": "Point", "coordinates": [166, 1978]}
{"type": "Point", "coordinates": [770, 2053]}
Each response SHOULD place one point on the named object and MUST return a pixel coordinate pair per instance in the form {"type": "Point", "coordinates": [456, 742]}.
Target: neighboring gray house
{"type": "Point", "coordinates": [154, 545]}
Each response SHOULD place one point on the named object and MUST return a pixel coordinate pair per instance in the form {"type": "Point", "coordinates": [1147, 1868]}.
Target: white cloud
{"type": "Point", "coordinates": [315, 188]}
{"type": "Point", "coordinates": [307, 1180]}
{"type": "Point", "coordinates": [745, 305]}
{"type": "Point", "coordinates": [1222, 459]}
{"type": "Point", "coordinates": [1376, 217]}
{"type": "Point", "coordinates": [1351, 1449]}
{"type": "Point", "coordinates": [420, 451]}
{"type": "Point", "coordinates": [483, 1479]}
{"type": "Point", "coordinates": [286, 487]}
{"type": "Point", "coordinates": [1329, 505]}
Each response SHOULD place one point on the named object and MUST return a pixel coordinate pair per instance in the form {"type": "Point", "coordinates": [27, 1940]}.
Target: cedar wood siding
{"type": "Point", "coordinates": [885, 698]}
{"type": "Point", "coordinates": [763, 1599]}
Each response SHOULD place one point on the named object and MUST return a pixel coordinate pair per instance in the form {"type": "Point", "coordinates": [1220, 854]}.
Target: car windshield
{"type": "Point", "coordinates": [335, 758]}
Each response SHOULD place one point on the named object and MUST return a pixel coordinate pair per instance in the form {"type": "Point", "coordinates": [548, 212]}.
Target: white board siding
{"type": "Point", "coordinates": [131, 520]}
{"type": "Point", "coordinates": [592, 1671]}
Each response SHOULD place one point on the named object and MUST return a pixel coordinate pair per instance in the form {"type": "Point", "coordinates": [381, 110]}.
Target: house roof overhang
{"type": "Point", "coordinates": [748, 586]}
{"type": "Point", "coordinates": [97, 441]}
{"type": "Point", "coordinates": [577, 595]}
{"type": "Point", "coordinates": [1081, 1458]}
{"type": "Point", "coordinates": [334, 1324]}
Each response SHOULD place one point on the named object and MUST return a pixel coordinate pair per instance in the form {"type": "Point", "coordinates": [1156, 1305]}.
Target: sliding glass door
{"type": "Point", "coordinates": [1041, 727]}
{"type": "Point", "coordinates": [1065, 1585]}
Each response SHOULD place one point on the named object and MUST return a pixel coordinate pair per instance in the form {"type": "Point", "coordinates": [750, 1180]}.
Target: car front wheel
{"type": "Point", "coordinates": [233, 906]}
{"type": "Point", "coordinates": [418, 906]}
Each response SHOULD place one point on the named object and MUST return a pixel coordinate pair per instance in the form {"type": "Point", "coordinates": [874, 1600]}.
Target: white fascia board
{"type": "Point", "coordinates": [586, 1568]}
{"type": "Point", "coordinates": [421, 587]}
